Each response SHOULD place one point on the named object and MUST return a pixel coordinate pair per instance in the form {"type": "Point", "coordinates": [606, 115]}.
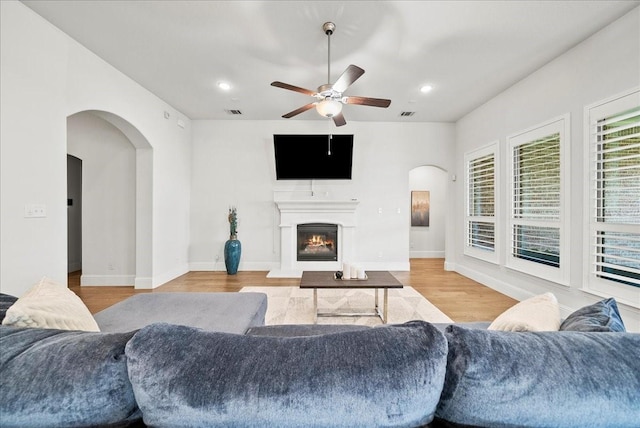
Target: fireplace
{"type": "Point", "coordinates": [294, 212]}
{"type": "Point", "coordinates": [317, 242]}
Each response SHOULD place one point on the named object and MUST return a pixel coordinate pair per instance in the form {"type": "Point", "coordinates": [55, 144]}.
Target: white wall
{"type": "Point", "coordinates": [233, 164]}
{"type": "Point", "coordinates": [45, 77]}
{"type": "Point", "coordinates": [109, 200]}
{"type": "Point", "coordinates": [604, 65]}
{"type": "Point", "coordinates": [429, 242]}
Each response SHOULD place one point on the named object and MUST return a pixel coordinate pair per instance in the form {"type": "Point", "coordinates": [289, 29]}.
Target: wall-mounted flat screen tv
{"type": "Point", "coordinates": [313, 157]}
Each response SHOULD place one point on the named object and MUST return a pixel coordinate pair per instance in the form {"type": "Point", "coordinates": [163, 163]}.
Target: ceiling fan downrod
{"type": "Point", "coordinates": [328, 28]}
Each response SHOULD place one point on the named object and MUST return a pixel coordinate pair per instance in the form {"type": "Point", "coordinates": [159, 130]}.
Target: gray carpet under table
{"type": "Point", "coordinates": [223, 312]}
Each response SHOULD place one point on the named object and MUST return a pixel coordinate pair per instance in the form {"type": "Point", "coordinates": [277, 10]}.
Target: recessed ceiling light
{"type": "Point", "coordinates": [224, 86]}
{"type": "Point", "coordinates": [426, 88]}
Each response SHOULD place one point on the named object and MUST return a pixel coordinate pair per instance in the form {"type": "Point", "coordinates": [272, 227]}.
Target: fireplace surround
{"type": "Point", "coordinates": [341, 213]}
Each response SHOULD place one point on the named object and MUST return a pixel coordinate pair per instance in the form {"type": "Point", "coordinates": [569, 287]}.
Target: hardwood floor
{"type": "Point", "coordinates": [461, 298]}
{"type": "Point", "coordinates": [457, 296]}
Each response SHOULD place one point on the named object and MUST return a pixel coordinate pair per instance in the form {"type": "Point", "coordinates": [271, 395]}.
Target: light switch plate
{"type": "Point", "coordinates": [35, 211]}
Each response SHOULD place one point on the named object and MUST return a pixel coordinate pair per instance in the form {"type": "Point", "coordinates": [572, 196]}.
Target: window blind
{"type": "Point", "coordinates": [536, 191]}
{"type": "Point", "coordinates": [481, 173]}
{"type": "Point", "coordinates": [481, 235]}
{"type": "Point", "coordinates": [480, 203]}
{"type": "Point", "coordinates": [537, 244]}
{"type": "Point", "coordinates": [536, 201]}
{"type": "Point", "coordinates": [616, 197]}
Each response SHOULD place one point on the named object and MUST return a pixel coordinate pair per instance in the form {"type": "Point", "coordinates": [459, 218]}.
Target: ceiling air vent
{"type": "Point", "coordinates": [233, 111]}
{"type": "Point", "coordinates": [407, 113]}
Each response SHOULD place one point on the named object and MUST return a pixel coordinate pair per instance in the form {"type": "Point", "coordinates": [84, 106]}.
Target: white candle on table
{"type": "Point", "coordinates": [346, 271]}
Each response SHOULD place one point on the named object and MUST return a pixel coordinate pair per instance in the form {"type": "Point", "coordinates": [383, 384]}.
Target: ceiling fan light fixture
{"type": "Point", "coordinates": [426, 88]}
{"type": "Point", "coordinates": [329, 107]}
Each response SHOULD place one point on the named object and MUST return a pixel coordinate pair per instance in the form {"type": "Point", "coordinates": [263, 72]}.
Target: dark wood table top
{"type": "Point", "coordinates": [325, 279]}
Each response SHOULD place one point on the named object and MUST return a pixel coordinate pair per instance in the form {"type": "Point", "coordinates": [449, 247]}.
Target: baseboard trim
{"type": "Point", "coordinates": [275, 267]}
{"type": "Point", "coordinates": [107, 280]}
{"type": "Point", "coordinates": [491, 282]}
{"type": "Point", "coordinates": [143, 283]}
{"type": "Point", "coordinates": [220, 266]}
{"type": "Point", "coordinates": [450, 266]}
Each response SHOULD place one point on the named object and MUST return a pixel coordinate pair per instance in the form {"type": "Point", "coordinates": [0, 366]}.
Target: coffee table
{"type": "Point", "coordinates": [376, 280]}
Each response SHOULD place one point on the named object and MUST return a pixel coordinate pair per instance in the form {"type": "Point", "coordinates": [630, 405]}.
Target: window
{"type": "Point", "coordinates": [480, 203]}
{"type": "Point", "coordinates": [538, 235]}
{"type": "Point", "coordinates": [614, 198]}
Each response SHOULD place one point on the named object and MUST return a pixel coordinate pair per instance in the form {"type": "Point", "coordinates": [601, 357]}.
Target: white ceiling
{"type": "Point", "coordinates": [468, 50]}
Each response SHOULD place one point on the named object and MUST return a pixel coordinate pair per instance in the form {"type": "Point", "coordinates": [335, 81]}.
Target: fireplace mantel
{"type": "Point", "coordinates": [301, 211]}
{"type": "Point", "coordinates": [317, 206]}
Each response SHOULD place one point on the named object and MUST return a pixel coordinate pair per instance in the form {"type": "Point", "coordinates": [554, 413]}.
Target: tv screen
{"type": "Point", "coordinates": [313, 157]}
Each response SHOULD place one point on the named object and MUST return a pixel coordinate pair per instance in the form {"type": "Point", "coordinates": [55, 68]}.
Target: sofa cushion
{"type": "Point", "coordinates": [50, 305]}
{"type": "Point", "coordinates": [64, 378]}
{"type": "Point", "coordinates": [6, 301]}
{"type": "Point", "coordinates": [291, 330]}
{"type": "Point", "coordinates": [601, 316]}
{"type": "Point", "coordinates": [386, 376]}
{"type": "Point", "coordinates": [541, 379]}
{"type": "Point", "coordinates": [538, 313]}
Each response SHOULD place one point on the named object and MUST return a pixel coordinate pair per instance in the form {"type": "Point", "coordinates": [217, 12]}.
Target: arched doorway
{"type": "Point", "coordinates": [74, 214]}
{"type": "Point", "coordinates": [428, 240]}
{"type": "Point", "coordinates": [116, 197]}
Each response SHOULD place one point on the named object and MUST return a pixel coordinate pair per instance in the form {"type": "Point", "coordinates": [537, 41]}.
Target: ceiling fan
{"type": "Point", "coordinates": [329, 96]}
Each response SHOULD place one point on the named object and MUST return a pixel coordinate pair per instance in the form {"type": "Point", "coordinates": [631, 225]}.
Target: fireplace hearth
{"type": "Point", "coordinates": [317, 242]}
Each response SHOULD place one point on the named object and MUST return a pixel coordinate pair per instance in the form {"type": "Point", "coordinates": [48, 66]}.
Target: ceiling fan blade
{"type": "Point", "coordinates": [298, 111]}
{"type": "Point", "coordinates": [293, 88]}
{"type": "Point", "coordinates": [339, 120]}
{"type": "Point", "coordinates": [350, 75]}
{"type": "Point", "coordinates": [366, 101]}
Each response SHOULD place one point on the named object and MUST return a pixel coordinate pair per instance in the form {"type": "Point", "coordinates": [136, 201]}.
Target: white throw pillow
{"type": "Point", "coordinates": [50, 305]}
{"type": "Point", "coordinates": [538, 313]}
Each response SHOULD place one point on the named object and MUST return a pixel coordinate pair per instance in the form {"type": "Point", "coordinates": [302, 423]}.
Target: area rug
{"type": "Point", "coordinates": [292, 305]}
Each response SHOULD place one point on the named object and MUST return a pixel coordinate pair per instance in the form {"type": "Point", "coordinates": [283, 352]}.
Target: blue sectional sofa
{"type": "Point", "coordinates": [413, 374]}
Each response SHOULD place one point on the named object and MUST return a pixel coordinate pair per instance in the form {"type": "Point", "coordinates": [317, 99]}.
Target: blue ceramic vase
{"type": "Point", "coordinates": [232, 251]}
